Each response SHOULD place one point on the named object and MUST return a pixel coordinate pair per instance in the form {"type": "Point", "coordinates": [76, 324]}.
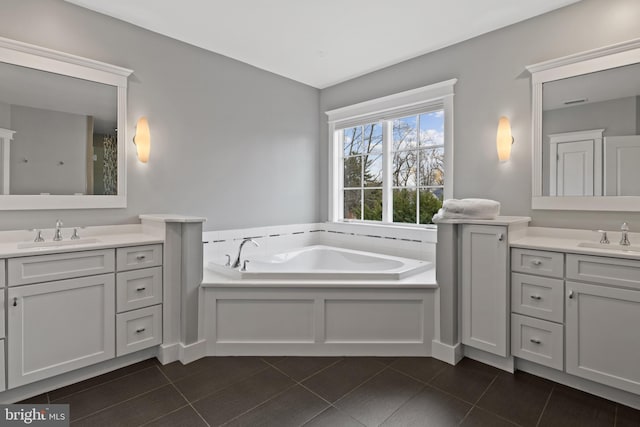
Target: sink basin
{"type": "Point", "coordinates": [61, 243]}
{"type": "Point", "coordinates": [609, 247]}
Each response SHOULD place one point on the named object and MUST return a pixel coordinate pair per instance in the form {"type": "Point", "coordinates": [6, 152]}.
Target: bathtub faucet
{"type": "Point", "coordinates": [236, 263]}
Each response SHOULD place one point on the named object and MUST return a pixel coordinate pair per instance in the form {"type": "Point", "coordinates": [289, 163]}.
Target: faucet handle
{"type": "Point", "coordinates": [603, 237]}
{"type": "Point", "coordinates": [228, 264]}
{"type": "Point", "coordinates": [39, 237]}
{"type": "Point", "coordinates": [59, 223]}
{"type": "Point", "coordinates": [244, 265]}
{"type": "Point", "coordinates": [75, 235]}
{"type": "Point", "coordinates": [624, 227]}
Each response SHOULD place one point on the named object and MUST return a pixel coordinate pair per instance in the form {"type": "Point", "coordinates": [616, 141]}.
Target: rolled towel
{"type": "Point", "coordinates": [468, 209]}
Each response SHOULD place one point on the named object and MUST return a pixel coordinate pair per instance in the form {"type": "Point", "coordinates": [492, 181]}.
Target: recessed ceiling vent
{"type": "Point", "coordinates": [575, 101]}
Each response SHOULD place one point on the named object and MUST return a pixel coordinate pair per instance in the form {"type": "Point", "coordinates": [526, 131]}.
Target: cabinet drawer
{"type": "Point", "coordinates": [537, 296]}
{"type": "Point", "coordinates": [2, 273]}
{"type": "Point", "coordinates": [46, 268]}
{"type": "Point", "coordinates": [139, 288]}
{"type": "Point", "coordinates": [138, 329]}
{"type": "Point", "coordinates": [537, 340]}
{"type": "Point", "coordinates": [139, 257]}
{"type": "Point", "coordinates": [537, 262]}
{"type": "Point", "coordinates": [608, 271]}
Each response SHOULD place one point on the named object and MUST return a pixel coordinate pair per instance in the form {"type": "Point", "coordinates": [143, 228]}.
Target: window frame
{"type": "Point", "coordinates": [415, 101]}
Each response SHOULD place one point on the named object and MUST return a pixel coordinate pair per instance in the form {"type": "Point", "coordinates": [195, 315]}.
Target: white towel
{"type": "Point", "coordinates": [468, 209]}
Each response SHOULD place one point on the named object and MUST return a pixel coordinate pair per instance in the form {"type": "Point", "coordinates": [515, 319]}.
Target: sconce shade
{"type": "Point", "coordinates": [504, 139]}
{"type": "Point", "coordinates": [142, 139]}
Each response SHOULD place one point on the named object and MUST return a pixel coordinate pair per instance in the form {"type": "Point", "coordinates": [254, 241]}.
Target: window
{"type": "Point", "coordinates": [391, 157]}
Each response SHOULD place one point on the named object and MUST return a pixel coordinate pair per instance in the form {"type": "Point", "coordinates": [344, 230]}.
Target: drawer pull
{"type": "Point", "coordinates": [570, 294]}
{"type": "Point", "coordinates": [535, 340]}
{"type": "Point", "coordinates": [536, 297]}
{"type": "Point", "coordinates": [141, 289]}
{"type": "Point", "coordinates": [140, 330]}
{"type": "Point", "coordinates": [15, 302]}
{"type": "Point", "coordinates": [500, 237]}
{"type": "Point", "coordinates": [536, 262]}
{"type": "Point", "coordinates": [141, 257]}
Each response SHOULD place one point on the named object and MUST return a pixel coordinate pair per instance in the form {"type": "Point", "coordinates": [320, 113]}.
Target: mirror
{"type": "Point", "coordinates": [586, 118]}
{"type": "Point", "coordinates": [60, 144]}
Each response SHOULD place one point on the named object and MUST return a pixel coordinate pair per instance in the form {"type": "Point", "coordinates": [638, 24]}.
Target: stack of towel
{"type": "Point", "coordinates": [468, 209]}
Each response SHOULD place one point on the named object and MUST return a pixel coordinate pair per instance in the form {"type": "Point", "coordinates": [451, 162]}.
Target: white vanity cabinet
{"type": "Point", "coordinates": [139, 296]}
{"type": "Point", "coordinates": [69, 310]}
{"type": "Point", "coordinates": [484, 287]}
{"type": "Point", "coordinates": [3, 382]}
{"type": "Point", "coordinates": [602, 333]}
{"type": "Point", "coordinates": [58, 326]}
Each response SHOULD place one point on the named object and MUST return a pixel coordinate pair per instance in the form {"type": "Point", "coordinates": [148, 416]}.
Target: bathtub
{"type": "Point", "coordinates": [321, 262]}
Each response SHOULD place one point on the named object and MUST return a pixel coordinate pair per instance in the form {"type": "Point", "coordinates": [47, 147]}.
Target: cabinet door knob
{"type": "Point", "coordinates": [536, 297]}
{"type": "Point", "coordinates": [535, 340]}
{"type": "Point", "coordinates": [140, 330]}
{"type": "Point", "coordinates": [570, 294]}
{"type": "Point", "coordinates": [536, 262]}
{"type": "Point", "coordinates": [15, 302]}
{"type": "Point", "coordinates": [500, 237]}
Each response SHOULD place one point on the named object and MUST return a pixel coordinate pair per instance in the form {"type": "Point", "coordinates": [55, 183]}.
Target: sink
{"type": "Point", "coordinates": [61, 243]}
{"type": "Point", "coordinates": [609, 247]}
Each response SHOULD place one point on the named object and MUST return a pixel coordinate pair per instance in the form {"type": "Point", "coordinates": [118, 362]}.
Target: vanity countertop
{"type": "Point", "coordinates": [566, 240]}
{"type": "Point", "coordinates": [91, 238]}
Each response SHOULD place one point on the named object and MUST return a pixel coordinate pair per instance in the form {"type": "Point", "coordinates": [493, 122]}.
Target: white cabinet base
{"type": "Point", "coordinates": [59, 326]}
{"type": "Point", "coordinates": [603, 338]}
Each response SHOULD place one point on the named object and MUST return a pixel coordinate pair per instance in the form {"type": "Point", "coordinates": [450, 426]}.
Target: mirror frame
{"type": "Point", "coordinates": [604, 58]}
{"type": "Point", "coordinates": [44, 59]}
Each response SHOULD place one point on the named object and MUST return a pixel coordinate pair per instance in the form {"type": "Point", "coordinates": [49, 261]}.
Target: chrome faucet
{"type": "Point", "coordinates": [39, 238]}
{"type": "Point", "coordinates": [624, 240]}
{"type": "Point", "coordinates": [236, 263]}
{"type": "Point", "coordinates": [58, 235]}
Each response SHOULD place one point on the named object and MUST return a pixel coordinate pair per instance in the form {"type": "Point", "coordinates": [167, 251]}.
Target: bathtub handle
{"type": "Point", "coordinates": [228, 264]}
{"type": "Point", "coordinates": [244, 265]}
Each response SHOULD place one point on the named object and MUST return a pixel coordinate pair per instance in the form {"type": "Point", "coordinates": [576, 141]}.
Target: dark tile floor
{"type": "Point", "coordinates": [332, 392]}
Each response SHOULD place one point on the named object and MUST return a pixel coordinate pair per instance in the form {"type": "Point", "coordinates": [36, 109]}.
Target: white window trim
{"type": "Point", "coordinates": [390, 105]}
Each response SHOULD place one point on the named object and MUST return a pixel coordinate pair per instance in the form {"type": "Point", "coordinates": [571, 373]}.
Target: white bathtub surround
{"type": "Point", "coordinates": [321, 262]}
{"type": "Point", "coordinates": [403, 241]}
{"type": "Point", "coordinates": [333, 315]}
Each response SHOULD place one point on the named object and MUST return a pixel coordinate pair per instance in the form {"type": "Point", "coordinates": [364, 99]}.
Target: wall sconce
{"type": "Point", "coordinates": [142, 139]}
{"type": "Point", "coordinates": [504, 139]}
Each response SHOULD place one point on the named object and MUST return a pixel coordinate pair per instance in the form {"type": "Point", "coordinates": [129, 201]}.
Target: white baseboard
{"type": "Point", "coordinates": [504, 363]}
{"type": "Point", "coordinates": [168, 353]}
{"type": "Point", "coordinates": [450, 354]}
{"type": "Point", "coordinates": [191, 352]}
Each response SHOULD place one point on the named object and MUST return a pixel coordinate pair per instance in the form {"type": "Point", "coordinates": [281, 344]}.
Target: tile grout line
{"type": "Point", "coordinates": [97, 385]}
{"type": "Point", "coordinates": [120, 402]}
{"type": "Point", "coordinates": [544, 408]}
{"type": "Point", "coordinates": [475, 404]}
{"type": "Point", "coordinates": [184, 397]}
{"type": "Point", "coordinates": [258, 405]}
{"type": "Point", "coordinates": [165, 415]}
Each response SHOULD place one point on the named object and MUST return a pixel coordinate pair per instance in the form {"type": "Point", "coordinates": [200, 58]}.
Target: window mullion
{"type": "Point", "coordinates": [387, 193]}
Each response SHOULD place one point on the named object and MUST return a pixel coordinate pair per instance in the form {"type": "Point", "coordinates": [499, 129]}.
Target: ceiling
{"type": "Point", "coordinates": [322, 43]}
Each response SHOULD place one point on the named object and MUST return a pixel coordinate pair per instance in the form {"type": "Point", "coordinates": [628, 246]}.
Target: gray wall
{"type": "Point", "coordinates": [45, 138]}
{"type": "Point", "coordinates": [229, 141]}
{"type": "Point", "coordinates": [492, 81]}
{"type": "Point", "coordinates": [5, 116]}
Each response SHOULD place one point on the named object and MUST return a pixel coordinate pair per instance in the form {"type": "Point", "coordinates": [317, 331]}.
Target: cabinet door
{"type": "Point", "coordinates": [602, 335]}
{"type": "Point", "coordinates": [57, 327]}
{"type": "Point", "coordinates": [485, 295]}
